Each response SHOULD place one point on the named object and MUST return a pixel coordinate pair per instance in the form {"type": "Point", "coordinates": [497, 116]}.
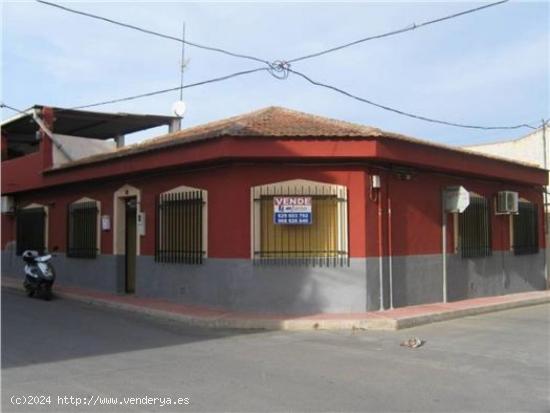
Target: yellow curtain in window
{"type": "Point", "coordinates": [318, 239]}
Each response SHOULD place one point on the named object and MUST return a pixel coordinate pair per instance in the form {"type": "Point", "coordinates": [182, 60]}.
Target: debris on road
{"type": "Point", "coordinates": [413, 342]}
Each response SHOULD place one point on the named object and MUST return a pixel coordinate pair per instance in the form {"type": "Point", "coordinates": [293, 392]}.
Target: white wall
{"type": "Point", "coordinates": [529, 148]}
{"type": "Point", "coordinates": [78, 148]}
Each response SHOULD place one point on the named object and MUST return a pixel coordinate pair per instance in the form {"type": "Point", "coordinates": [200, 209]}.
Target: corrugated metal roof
{"type": "Point", "coordinates": [96, 125]}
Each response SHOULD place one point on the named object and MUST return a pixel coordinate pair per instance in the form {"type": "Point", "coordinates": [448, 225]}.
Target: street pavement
{"type": "Point", "coordinates": [52, 351]}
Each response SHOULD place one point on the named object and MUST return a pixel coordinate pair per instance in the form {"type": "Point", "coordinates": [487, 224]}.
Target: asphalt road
{"type": "Point", "coordinates": [497, 362]}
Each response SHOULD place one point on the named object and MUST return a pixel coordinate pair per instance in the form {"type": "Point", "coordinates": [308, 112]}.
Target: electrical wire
{"type": "Point", "coordinates": [22, 112]}
{"type": "Point", "coordinates": [156, 92]}
{"type": "Point", "coordinates": [151, 32]}
{"type": "Point", "coordinates": [403, 113]}
{"type": "Point", "coordinates": [159, 92]}
{"type": "Point", "coordinates": [281, 68]}
{"type": "Point", "coordinates": [395, 32]}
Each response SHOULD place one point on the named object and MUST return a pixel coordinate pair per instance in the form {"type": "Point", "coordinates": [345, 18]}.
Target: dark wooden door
{"type": "Point", "coordinates": [131, 245]}
{"type": "Point", "coordinates": [30, 230]}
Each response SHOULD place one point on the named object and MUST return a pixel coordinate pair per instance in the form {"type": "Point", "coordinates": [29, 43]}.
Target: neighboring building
{"type": "Point", "coordinates": [532, 148]}
{"type": "Point", "coordinates": [272, 211]}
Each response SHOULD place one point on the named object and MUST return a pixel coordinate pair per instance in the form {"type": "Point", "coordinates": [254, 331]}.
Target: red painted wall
{"type": "Point", "coordinates": [262, 149]}
{"type": "Point", "coordinates": [416, 212]}
{"type": "Point", "coordinates": [229, 201]}
{"type": "Point", "coordinates": [23, 172]}
{"type": "Point", "coordinates": [416, 206]}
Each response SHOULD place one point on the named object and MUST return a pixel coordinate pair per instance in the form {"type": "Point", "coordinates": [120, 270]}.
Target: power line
{"type": "Point", "coordinates": [159, 92]}
{"type": "Point", "coordinates": [257, 59]}
{"type": "Point", "coordinates": [394, 32]}
{"type": "Point", "coordinates": [22, 112]}
{"type": "Point", "coordinates": [156, 92]}
{"type": "Point", "coordinates": [151, 32]}
{"type": "Point", "coordinates": [401, 112]}
{"type": "Point", "coordinates": [281, 68]}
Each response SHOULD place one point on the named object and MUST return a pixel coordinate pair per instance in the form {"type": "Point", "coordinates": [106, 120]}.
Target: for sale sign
{"type": "Point", "coordinates": [294, 210]}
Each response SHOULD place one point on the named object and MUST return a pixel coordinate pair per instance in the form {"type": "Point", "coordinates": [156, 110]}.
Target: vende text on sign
{"type": "Point", "coordinates": [292, 210]}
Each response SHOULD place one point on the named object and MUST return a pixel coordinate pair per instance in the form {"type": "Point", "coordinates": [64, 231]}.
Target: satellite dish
{"type": "Point", "coordinates": [179, 108]}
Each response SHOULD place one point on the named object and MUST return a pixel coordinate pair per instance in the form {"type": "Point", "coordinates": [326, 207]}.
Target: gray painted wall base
{"type": "Point", "coordinates": [418, 279]}
{"type": "Point", "coordinates": [97, 274]}
{"type": "Point", "coordinates": [238, 284]}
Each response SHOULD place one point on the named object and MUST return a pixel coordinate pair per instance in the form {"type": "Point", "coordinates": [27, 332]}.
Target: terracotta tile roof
{"type": "Point", "coordinates": [277, 122]}
{"type": "Point", "coordinates": [272, 121]}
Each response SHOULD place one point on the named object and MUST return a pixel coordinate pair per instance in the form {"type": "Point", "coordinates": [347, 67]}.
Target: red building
{"type": "Point", "coordinates": [193, 216]}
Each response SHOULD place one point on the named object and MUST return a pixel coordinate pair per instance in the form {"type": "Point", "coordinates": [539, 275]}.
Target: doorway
{"type": "Point", "coordinates": [130, 250]}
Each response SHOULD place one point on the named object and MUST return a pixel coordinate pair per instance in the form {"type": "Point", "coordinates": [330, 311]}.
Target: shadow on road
{"type": "Point", "coordinates": [36, 331]}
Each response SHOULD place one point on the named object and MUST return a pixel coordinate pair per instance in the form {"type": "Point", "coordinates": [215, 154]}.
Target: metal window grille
{"type": "Point", "coordinates": [525, 224]}
{"type": "Point", "coordinates": [475, 229]}
{"type": "Point", "coordinates": [82, 230]}
{"type": "Point", "coordinates": [179, 236]}
{"type": "Point", "coordinates": [323, 242]}
{"type": "Point", "coordinates": [30, 224]}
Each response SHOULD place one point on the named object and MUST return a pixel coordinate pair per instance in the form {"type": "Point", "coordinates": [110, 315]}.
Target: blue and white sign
{"type": "Point", "coordinates": [293, 210]}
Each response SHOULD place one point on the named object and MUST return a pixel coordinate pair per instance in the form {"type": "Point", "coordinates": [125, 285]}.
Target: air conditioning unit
{"type": "Point", "coordinates": [8, 205]}
{"type": "Point", "coordinates": [507, 202]}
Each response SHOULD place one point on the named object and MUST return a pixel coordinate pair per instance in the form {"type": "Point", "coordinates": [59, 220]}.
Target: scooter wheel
{"type": "Point", "coordinates": [30, 293]}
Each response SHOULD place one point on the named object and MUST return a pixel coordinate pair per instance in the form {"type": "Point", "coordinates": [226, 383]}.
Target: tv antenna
{"type": "Point", "coordinates": [180, 107]}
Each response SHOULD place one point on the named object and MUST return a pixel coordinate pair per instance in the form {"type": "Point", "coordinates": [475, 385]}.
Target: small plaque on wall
{"type": "Point", "coordinates": [105, 222]}
{"type": "Point", "coordinates": [141, 223]}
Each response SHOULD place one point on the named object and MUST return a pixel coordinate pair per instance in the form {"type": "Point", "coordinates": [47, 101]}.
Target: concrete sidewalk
{"type": "Point", "coordinates": [380, 320]}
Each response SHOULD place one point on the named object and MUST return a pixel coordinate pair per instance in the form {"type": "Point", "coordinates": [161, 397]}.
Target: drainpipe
{"type": "Point", "coordinates": [390, 262]}
{"type": "Point", "coordinates": [380, 252]}
{"type": "Point", "coordinates": [545, 200]}
{"type": "Point", "coordinates": [444, 244]}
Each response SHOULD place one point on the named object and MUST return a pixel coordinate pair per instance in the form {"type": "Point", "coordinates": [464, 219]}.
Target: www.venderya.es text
{"type": "Point", "coordinates": [97, 400]}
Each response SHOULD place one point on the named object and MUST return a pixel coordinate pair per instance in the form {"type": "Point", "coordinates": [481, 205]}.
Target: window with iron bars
{"type": "Point", "coordinates": [323, 241]}
{"type": "Point", "coordinates": [474, 229]}
{"type": "Point", "coordinates": [181, 227]}
{"type": "Point", "coordinates": [82, 229]}
{"type": "Point", "coordinates": [525, 229]}
{"type": "Point", "coordinates": [31, 230]}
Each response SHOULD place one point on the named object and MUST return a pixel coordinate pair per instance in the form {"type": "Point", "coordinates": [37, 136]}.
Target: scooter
{"type": "Point", "coordinates": [39, 274]}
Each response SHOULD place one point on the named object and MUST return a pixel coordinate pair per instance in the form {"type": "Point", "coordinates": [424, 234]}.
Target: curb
{"type": "Point", "coordinates": [227, 321]}
{"type": "Point", "coordinates": [466, 312]}
{"type": "Point", "coordinates": [207, 322]}
{"type": "Point", "coordinates": [379, 322]}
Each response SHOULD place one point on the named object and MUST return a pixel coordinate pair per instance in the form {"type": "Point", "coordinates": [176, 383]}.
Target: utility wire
{"type": "Point", "coordinates": [159, 92]}
{"type": "Point", "coordinates": [401, 112]}
{"type": "Point", "coordinates": [394, 32]}
{"type": "Point", "coordinates": [3, 105]}
{"type": "Point", "coordinates": [151, 32]}
{"type": "Point", "coordinates": [281, 68]}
